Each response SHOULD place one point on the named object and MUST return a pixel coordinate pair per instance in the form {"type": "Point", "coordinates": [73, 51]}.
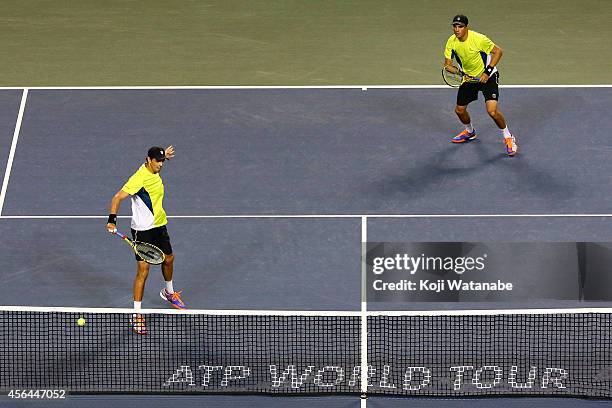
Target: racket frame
{"type": "Point", "coordinates": [465, 77]}
{"type": "Point", "coordinates": [132, 244]}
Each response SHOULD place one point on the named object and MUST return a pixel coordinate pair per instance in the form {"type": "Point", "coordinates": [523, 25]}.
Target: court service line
{"type": "Point", "coordinates": [9, 165]}
{"type": "Point", "coordinates": [255, 87]}
{"type": "Point", "coordinates": [57, 217]}
{"type": "Point", "coordinates": [387, 216]}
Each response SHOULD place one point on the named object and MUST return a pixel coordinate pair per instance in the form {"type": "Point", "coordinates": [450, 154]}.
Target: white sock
{"type": "Point", "coordinates": [169, 287]}
{"type": "Point", "coordinates": [469, 127]}
{"type": "Point", "coordinates": [506, 132]}
{"type": "Point", "coordinates": [137, 305]}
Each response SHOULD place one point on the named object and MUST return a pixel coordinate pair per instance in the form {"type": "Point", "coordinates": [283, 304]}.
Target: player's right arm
{"type": "Point", "coordinates": [114, 209]}
{"type": "Point", "coordinates": [448, 52]}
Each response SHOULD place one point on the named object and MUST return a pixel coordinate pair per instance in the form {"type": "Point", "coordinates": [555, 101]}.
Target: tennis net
{"type": "Point", "coordinates": [461, 353]}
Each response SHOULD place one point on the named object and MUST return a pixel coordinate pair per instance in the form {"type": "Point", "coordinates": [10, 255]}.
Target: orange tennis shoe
{"type": "Point", "coordinates": [511, 146]}
{"type": "Point", "coordinates": [174, 298]}
{"type": "Point", "coordinates": [138, 324]}
{"type": "Point", "coordinates": [464, 136]}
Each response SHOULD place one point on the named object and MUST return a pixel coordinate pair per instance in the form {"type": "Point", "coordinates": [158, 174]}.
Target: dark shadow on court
{"type": "Point", "coordinates": [432, 172]}
{"type": "Point", "coordinates": [455, 165]}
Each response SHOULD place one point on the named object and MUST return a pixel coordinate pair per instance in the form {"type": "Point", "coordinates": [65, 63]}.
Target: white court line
{"type": "Point", "coordinates": [364, 310]}
{"type": "Point", "coordinates": [387, 216]}
{"type": "Point", "coordinates": [213, 312]}
{"type": "Point", "coordinates": [58, 217]}
{"type": "Point", "coordinates": [360, 87]}
{"type": "Point", "coordinates": [9, 165]}
{"type": "Point", "coordinates": [326, 313]}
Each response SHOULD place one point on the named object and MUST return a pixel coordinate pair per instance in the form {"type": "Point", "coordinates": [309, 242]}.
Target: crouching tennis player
{"type": "Point", "coordinates": [477, 56]}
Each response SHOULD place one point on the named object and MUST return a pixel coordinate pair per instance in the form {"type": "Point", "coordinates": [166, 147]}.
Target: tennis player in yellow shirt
{"type": "Point", "coordinates": [477, 56]}
{"type": "Point", "coordinates": [146, 190]}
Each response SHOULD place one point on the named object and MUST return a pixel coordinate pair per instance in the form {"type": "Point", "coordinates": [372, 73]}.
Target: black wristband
{"type": "Point", "coordinates": [112, 219]}
{"type": "Point", "coordinates": [488, 70]}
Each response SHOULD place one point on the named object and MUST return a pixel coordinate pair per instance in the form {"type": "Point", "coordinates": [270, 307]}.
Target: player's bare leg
{"type": "Point", "coordinates": [138, 320]}
{"type": "Point", "coordinates": [142, 272]}
{"type": "Point", "coordinates": [168, 292]}
{"type": "Point", "coordinates": [168, 267]}
{"type": "Point", "coordinates": [463, 114]}
{"type": "Point", "coordinates": [495, 114]}
{"type": "Point", "coordinates": [500, 121]}
{"type": "Point", "coordinates": [469, 133]}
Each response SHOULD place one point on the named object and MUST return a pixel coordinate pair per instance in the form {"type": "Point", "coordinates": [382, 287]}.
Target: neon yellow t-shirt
{"type": "Point", "coordinates": [473, 54]}
{"type": "Point", "coordinates": [147, 193]}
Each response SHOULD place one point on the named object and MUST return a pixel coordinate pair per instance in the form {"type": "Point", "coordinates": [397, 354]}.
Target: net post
{"type": "Point", "coordinates": [364, 316]}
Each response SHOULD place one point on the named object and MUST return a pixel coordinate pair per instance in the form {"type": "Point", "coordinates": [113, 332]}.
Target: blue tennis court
{"type": "Point", "coordinates": [273, 191]}
{"type": "Point", "coordinates": [310, 151]}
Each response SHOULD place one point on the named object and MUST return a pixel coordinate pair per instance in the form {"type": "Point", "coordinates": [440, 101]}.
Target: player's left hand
{"type": "Point", "coordinates": [169, 152]}
{"type": "Point", "coordinates": [484, 78]}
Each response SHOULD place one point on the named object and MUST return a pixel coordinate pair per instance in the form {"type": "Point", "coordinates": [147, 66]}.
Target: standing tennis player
{"type": "Point", "coordinates": [478, 56]}
{"type": "Point", "coordinates": [146, 190]}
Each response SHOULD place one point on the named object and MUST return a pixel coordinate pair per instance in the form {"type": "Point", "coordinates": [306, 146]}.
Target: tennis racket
{"type": "Point", "coordinates": [454, 76]}
{"type": "Point", "coordinates": [147, 252]}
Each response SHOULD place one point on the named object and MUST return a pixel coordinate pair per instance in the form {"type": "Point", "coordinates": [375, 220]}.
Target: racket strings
{"type": "Point", "coordinates": [452, 75]}
{"type": "Point", "coordinates": [149, 253]}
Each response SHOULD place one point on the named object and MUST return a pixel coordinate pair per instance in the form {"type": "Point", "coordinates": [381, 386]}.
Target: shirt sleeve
{"type": "Point", "coordinates": [448, 50]}
{"type": "Point", "coordinates": [133, 185]}
{"type": "Point", "coordinates": [486, 44]}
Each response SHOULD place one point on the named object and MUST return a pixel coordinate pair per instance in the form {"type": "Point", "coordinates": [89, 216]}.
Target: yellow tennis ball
{"type": "Point", "coordinates": [81, 322]}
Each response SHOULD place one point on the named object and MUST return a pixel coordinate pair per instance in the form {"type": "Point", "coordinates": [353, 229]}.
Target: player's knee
{"type": "Point", "coordinates": [492, 113]}
{"type": "Point", "coordinates": [169, 259]}
{"type": "Point", "coordinates": [460, 110]}
{"type": "Point", "coordinates": [142, 267]}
